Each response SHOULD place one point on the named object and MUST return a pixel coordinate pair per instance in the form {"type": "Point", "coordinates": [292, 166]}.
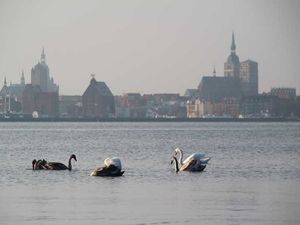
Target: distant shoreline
{"type": "Point", "coordinates": [149, 120]}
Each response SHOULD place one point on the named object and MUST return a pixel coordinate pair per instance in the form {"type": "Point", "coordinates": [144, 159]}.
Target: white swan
{"type": "Point", "coordinates": [191, 166]}
{"type": "Point", "coordinates": [112, 168]}
{"type": "Point", "coordinates": [194, 162]}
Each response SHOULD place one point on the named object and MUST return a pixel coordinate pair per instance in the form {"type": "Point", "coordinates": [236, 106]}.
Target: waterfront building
{"type": "Point", "coordinates": [30, 97]}
{"type": "Point", "coordinates": [231, 107]}
{"type": "Point", "coordinates": [159, 105]}
{"type": "Point", "coordinates": [47, 104]}
{"type": "Point", "coordinates": [249, 77]}
{"type": "Point", "coordinates": [5, 98]}
{"type": "Point", "coordinates": [215, 88]}
{"type": "Point", "coordinates": [284, 93]}
{"type": "Point", "coordinates": [228, 107]}
{"type": "Point", "coordinates": [169, 105]}
{"type": "Point", "coordinates": [240, 79]}
{"type": "Point", "coordinates": [198, 108]}
{"type": "Point", "coordinates": [10, 100]}
{"type": "Point", "coordinates": [121, 110]}
{"type": "Point", "coordinates": [98, 100]}
{"type": "Point", "coordinates": [130, 105]}
{"type": "Point", "coordinates": [40, 76]}
{"type": "Point", "coordinates": [192, 94]}
{"type": "Point", "coordinates": [35, 100]}
{"type": "Point", "coordinates": [17, 89]}
{"type": "Point", "coordinates": [70, 106]}
{"type": "Point", "coordinates": [259, 106]}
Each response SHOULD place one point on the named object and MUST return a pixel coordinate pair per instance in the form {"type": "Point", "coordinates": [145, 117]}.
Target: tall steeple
{"type": "Point", "coordinates": [232, 66]}
{"type": "Point", "coordinates": [22, 78]}
{"type": "Point", "coordinates": [43, 57]}
{"type": "Point", "coordinates": [5, 83]}
{"type": "Point", "coordinates": [233, 47]}
{"type": "Point", "coordinates": [214, 71]}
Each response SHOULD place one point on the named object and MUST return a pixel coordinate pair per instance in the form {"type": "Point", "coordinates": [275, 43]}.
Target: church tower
{"type": "Point", "coordinates": [22, 78]}
{"type": "Point", "coordinates": [232, 66]}
{"type": "Point", "coordinates": [214, 71]}
{"type": "Point", "coordinates": [43, 57]}
{"type": "Point", "coordinates": [40, 76]}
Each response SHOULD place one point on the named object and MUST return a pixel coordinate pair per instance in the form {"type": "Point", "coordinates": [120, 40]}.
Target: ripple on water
{"type": "Point", "coordinates": [253, 176]}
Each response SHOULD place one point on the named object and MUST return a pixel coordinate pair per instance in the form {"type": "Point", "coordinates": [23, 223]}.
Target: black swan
{"type": "Point", "coordinates": [61, 166]}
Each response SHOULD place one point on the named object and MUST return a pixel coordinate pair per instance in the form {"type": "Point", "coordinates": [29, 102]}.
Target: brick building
{"type": "Point", "coordinates": [45, 103]}
{"type": "Point", "coordinates": [98, 100]}
{"type": "Point", "coordinates": [285, 93]}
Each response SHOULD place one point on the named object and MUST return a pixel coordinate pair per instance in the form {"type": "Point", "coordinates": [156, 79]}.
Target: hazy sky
{"type": "Point", "coordinates": [149, 46]}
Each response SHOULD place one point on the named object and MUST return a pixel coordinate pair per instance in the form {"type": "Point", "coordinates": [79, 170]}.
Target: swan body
{"type": "Point", "coordinates": [112, 168]}
{"type": "Point", "coordinates": [39, 164]}
{"type": "Point", "coordinates": [192, 166]}
{"type": "Point", "coordinates": [195, 162]}
{"type": "Point", "coordinates": [60, 166]}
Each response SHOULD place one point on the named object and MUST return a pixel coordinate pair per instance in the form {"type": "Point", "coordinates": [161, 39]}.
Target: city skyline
{"type": "Point", "coordinates": [160, 42]}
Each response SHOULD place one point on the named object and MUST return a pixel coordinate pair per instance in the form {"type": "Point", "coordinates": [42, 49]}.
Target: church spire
{"type": "Point", "coordinates": [23, 78]}
{"type": "Point", "coordinates": [214, 71]}
{"type": "Point", "coordinates": [43, 56]}
{"type": "Point", "coordinates": [233, 47]}
{"type": "Point", "coordinates": [5, 83]}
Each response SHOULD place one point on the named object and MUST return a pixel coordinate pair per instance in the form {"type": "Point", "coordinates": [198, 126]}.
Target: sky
{"type": "Point", "coordinates": [154, 46]}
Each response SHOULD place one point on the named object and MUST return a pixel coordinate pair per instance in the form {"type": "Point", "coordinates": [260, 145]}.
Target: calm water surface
{"type": "Point", "coordinates": [253, 177]}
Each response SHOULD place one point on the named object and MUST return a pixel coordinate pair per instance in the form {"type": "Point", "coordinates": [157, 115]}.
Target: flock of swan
{"type": "Point", "coordinates": [196, 162]}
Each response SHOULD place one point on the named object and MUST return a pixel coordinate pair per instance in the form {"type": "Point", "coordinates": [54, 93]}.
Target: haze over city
{"type": "Point", "coordinates": [148, 46]}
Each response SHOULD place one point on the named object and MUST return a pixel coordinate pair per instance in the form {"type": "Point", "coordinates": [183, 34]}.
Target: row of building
{"type": "Point", "coordinates": [234, 94]}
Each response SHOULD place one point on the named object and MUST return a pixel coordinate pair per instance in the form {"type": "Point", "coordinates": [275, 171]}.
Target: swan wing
{"type": "Point", "coordinates": [117, 162]}
{"type": "Point", "coordinates": [97, 171]}
{"type": "Point", "coordinates": [196, 156]}
{"type": "Point", "coordinates": [188, 165]}
{"type": "Point", "coordinates": [198, 167]}
{"type": "Point", "coordinates": [56, 166]}
{"type": "Point", "coordinates": [113, 161]}
{"type": "Point", "coordinates": [107, 171]}
{"type": "Point", "coordinates": [204, 160]}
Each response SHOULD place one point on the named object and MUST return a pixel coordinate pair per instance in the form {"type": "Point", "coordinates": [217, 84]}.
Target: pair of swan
{"type": "Point", "coordinates": [113, 166]}
{"type": "Point", "coordinates": [44, 165]}
{"type": "Point", "coordinates": [194, 163]}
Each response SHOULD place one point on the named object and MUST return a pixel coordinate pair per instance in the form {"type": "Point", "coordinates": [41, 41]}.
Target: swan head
{"type": "Point", "coordinates": [73, 157]}
{"type": "Point", "coordinates": [176, 151]}
{"type": "Point", "coordinates": [33, 163]}
{"type": "Point", "coordinates": [173, 159]}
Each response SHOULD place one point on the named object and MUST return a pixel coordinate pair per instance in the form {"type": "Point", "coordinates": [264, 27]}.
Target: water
{"type": "Point", "coordinates": [253, 177]}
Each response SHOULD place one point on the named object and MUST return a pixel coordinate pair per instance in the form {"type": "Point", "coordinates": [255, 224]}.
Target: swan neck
{"type": "Point", "coordinates": [176, 164]}
{"type": "Point", "coordinates": [70, 164]}
{"type": "Point", "coordinates": [180, 156]}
